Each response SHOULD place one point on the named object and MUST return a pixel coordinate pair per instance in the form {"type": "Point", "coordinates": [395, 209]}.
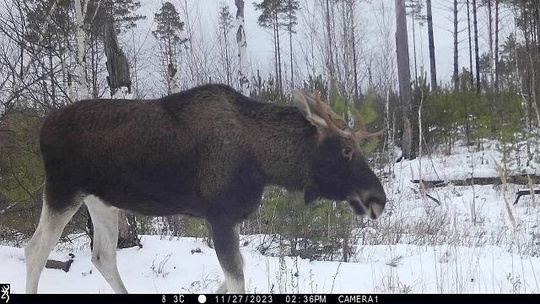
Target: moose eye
{"type": "Point", "coordinates": [347, 153]}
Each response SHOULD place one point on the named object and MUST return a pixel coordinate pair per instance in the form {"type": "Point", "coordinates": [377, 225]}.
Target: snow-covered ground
{"type": "Point", "coordinates": [456, 240]}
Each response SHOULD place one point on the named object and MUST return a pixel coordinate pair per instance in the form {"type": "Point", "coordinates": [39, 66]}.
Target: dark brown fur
{"type": "Point", "coordinates": [207, 151]}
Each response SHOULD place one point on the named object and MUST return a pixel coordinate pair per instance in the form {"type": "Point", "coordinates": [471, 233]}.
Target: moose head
{"type": "Point", "coordinates": [339, 169]}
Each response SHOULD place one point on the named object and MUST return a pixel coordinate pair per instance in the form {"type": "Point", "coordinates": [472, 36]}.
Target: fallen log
{"type": "Point", "coordinates": [523, 192]}
{"type": "Point", "coordinates": [65, 266]}
{"type": "Point", "coordinates": [512, 179]}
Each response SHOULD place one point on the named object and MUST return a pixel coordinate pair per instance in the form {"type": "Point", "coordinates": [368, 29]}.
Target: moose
{"type": "Point", "coordinates": [208, 152]}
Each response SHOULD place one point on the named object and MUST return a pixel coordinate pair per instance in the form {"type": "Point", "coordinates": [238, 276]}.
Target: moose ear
{"type": "Point", "coordinates": [306, 104]}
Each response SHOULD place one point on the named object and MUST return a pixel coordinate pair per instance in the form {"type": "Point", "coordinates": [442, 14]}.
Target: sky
{"type": "Point", "coordinates": [204, 13]}
{"type": "Point", "coordinates": [260, 47]}
{"type": "Point", "coordinates": [370, 15]}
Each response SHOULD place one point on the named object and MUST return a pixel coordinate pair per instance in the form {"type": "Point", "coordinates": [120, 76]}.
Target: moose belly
{"type": "Point", "coordinates": [148, 203]}
{"type": "Point", "coordinates": [158, 191]}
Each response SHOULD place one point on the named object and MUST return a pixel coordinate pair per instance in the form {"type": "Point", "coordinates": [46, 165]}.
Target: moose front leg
{"type": "Point", "coordinates": [226, 243]}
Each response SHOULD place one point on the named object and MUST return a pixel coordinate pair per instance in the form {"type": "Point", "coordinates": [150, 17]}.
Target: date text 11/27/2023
{"type": "Point", "coordinates": [272, 298]}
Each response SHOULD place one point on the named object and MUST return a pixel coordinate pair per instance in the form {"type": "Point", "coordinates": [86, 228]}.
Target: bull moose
{"type": "Point", "coordinates": [208, 152]}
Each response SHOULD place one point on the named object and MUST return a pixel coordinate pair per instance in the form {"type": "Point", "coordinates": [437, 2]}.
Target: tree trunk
{"type": "Point", "coordinates": [496, 54]}
{"type": "Point", "coordinates": [355, 66]}
{"type": "Point", "coordinates": [470, 42]}
{"type": "Point", "coordinates": [455, 78]}
{"type": "Point", "coordinates": [404, 76]}
{"type": "Point", "coordinates": [413, 16]}
{"type": "Point", "coordinates": [477, 56]}
{"type": "Point", "coordinates": [80, 87]}
{"type": "Point", "coordinates": [227, 59]}
{"type": "Point", "coordinates": [431, 41]}
{"type": "Point", "coordinates": [127, 230]}
{"type": "Point", "coordinates": [535, 60]}
{"type": "Point", "coordinates": [276, 69]}
{"type": "Point", "coordinates": [242, 46]}
{"type": "Point", "coordinates": [117, 63]}
{"type": "Point", "coordinates": [280, 76]}
{"type": "Point", "coordinates": [172, 73]}
{"type": "Point", "coordinates": [490, 41]}
{"type": "Point", "coordinates": [278, 48]}
{"type": "Point", "coordinates": [291, 56]}
{"type": "Point", "coordinates": [330, 57]}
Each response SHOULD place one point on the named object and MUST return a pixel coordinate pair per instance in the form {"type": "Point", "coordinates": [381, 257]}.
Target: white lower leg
{"type": "Point", "coordinates": [235, 284]}
{"type": "Point", "coordinates": [105, 220]}
{"type": "Point", "coordinates": [222, 287]}
{"type": "Point", "coordinates": [226, 239]}
{"type": "Point", "coordinates": [50, 227]}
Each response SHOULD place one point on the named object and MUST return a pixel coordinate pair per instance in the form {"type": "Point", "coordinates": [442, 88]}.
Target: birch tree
{"type": "Point", "coordinates": [241, 41]}
{"type": "Point", "coordinates": [80, 87]}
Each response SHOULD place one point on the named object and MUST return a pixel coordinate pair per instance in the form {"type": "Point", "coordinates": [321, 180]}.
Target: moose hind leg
{"type": "Point", "coordinates": [226, 243]}
{"type": "Point", "coordinates": [105, 221]}
{"type": "Point", "coordinates": [51, 224]}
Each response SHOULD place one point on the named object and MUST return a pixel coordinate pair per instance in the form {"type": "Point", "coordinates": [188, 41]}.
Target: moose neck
{"type": "Point", "coordinates": [284, 140]}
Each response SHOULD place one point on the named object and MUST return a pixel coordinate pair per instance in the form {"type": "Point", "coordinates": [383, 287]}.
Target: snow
{"type": "Point", "coordinates": [474, 240]}
{"type": "Point", "coordinates": [469, 161]}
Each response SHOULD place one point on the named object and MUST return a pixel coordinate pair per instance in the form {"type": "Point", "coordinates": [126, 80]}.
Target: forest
{"type": "Point", "coordinates": [376, 60]}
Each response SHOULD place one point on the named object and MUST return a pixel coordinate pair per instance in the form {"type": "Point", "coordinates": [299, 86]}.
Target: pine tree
{"type": "Point", "coordinates": [169, 34]}
{"type": "Point", "coordinates": [269, 18]}
{"type": "Point", "coordinates": [415, 11]}
{"type": "Point", "coordinates": [432, 61]}
{"type": "Point", "coordinates": [290, 21]}
{"type": "Point", "coordinates": [277, 15]}
{"type": "Point", "coordinates": [225, 24]}
{"type": "Point", "coordinates": [47, 40]}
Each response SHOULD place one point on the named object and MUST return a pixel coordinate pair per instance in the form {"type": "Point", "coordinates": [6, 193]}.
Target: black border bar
{"type": "Point", "coordinates": [271, 298]}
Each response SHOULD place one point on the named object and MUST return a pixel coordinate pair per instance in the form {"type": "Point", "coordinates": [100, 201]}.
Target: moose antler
{"type": "Point", "coordinates": [363, 133]}
{"type": "Point", "coordinates": [328, 115]}
{"type": "Point", "coordinates": [324, 111]}
{"type": "Point", "coordinates": [324, 116]}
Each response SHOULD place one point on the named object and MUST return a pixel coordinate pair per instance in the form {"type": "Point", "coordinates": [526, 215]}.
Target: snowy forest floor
{"type": "Point", "coordinates": [449, 239]}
